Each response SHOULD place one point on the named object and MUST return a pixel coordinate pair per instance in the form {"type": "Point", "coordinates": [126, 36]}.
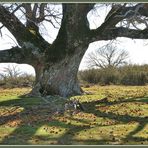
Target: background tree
{"type": "Point", "coordinates": [56, 64]}
{"type": "Point", "coordinates": [12, 71]}
{"type": "Point", "coordinates": [106, 56]}
{"type": "Point", "coordinates": [11, 77]}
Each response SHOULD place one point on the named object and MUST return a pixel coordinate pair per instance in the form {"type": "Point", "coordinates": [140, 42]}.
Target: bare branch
{"type": "Point", "coordinates": [12, 23]}
{"type": "Point", "coordinates": [41, 12]}
{"type": "Point", "coordinates": [0, 30]}
{"type": "Point", "coordinates": [34, 11]}
{"type": "Point", "coordinates": [107, 56]}
{"type": "Point", "coordinates": [17, 8]}
{"type": "Point", "coordinates": [129, 33]}
{"type": "Point", "coordinates": [51, 23]}
{"type": "Point", "coordinates": [12, 71]}
{"type": "Point", "coordinates": [118, 14]}
{"type": "Point", "coordinates": [19, 31]}
{"type": "Point", "coordinates": [13, 55]}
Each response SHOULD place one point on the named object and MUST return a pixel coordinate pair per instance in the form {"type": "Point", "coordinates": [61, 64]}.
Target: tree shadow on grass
{"type": "Point", "coordinates": [140, 127]}
{"type": "Point", "coordinates": [142, 121]}
{"type": "Point", "coordinates": [128, 100]}
{"type": "Point", "coordinates": [26, 123]}
{"type": "Point", "coordinates": [35, 117]}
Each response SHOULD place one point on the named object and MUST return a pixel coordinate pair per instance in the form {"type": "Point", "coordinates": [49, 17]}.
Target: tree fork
{"type": "Point", "coordinates": [56, 65]}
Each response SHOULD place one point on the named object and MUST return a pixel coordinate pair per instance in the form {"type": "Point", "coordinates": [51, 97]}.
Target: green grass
{"type": "Point", "coordinates": [112, 115]}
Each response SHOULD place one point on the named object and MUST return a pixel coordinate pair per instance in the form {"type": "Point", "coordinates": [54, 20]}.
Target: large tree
{"type": "Point", "coordinates": [56, 65]}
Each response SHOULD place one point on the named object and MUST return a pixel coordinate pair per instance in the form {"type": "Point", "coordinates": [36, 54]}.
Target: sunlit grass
{"type": "Point", "coordinates": [112, 115]}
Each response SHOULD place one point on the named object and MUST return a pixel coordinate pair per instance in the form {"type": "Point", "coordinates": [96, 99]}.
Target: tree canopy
{"type": "Point", "coordinates": [64, 55]}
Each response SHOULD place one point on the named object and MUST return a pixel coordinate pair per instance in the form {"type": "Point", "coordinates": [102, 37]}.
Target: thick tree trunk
{"type": "Point", "coordinates": [56, 64]}
{"type": "Point", "coordinates": [59, 78]}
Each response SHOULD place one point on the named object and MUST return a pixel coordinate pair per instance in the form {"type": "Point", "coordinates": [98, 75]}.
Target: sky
{"type": "Point", "coordinates": [137, 49]}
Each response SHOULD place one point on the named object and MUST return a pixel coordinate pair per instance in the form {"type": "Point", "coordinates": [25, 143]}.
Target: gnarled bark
{"type": "Point", "coordinates": [59, 78]}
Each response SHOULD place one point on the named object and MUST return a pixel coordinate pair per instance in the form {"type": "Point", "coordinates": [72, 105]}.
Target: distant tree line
{"type": "Point", "coordinates": [12, 77]}
{"type": "Point", "coordinates": [124, 75]}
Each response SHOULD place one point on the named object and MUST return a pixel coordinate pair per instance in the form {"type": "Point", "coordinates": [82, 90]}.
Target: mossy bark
{"type": "Point", "coordinates": [59, 78]}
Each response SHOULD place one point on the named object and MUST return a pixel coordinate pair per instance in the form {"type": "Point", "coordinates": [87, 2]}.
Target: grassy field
{"type": "Point", "coordinates": [112, 115]}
